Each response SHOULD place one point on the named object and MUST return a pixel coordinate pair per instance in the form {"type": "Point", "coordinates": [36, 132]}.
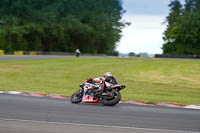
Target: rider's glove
{"type": "Point", "coordinates": [90, 80]}
{"type": "Point", "coordinates": [81, 85]}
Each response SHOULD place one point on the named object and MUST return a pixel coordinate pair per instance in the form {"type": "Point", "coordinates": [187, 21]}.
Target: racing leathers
{"type": "Point", "coordinates": [109, 81]}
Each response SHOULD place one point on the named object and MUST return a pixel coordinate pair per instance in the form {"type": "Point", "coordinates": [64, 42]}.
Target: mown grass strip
{"type": "Point", "coordinates": [148, 80]}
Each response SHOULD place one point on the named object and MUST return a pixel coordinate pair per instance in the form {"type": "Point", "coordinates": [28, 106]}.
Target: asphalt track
{"type": "Point", "coordinates": [48, 57]}
{"type": "Point", "coordinates": [26, 114]}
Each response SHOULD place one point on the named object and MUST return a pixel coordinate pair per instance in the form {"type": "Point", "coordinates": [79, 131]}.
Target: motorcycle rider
{"type": "Point", "coordinates": [99, 90]}
{"type": "Point", "coordinates": [108, 79]}
{"type": "Point", "coordinates": [77, 52]}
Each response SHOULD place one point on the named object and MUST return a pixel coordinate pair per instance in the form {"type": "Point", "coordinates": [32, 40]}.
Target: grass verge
{"type": "Point", "coordinates": [148, 80]}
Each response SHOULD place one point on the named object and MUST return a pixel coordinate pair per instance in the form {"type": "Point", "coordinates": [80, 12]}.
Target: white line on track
{"type": "Point", "coordinates": [91, 125]}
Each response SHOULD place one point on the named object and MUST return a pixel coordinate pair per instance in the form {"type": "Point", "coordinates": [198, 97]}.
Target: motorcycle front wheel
{"type": "Point", "coordinates": [76, 97]}
{"type": "Point", "coordinates": [107, 101]}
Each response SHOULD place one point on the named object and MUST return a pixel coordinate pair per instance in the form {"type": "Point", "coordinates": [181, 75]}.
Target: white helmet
{"type": "Point", "coordinates": [108, 74]}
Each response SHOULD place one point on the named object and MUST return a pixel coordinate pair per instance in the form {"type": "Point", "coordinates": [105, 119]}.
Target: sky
{"type": "Point", "coordinates": [145, 33]}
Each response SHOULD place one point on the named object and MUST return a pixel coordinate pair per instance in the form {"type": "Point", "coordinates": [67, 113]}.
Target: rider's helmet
{"type": "Point", "coordinates": [108, 74]}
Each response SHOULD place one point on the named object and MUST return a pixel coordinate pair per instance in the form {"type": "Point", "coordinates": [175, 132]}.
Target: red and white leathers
{"type": "Point", "coordinates": [100, 79]}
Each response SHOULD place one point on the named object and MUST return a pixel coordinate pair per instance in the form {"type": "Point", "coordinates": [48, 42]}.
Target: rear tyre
{"type": "Point", "coordinates": [76, 97]}
{"type": "Point", "coordinates": [115, 100]}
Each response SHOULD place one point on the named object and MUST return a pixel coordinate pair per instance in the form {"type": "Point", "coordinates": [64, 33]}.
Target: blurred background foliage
{"type": "Point", "coordinates": [93, 26]}
{"type": "Point", "coordinates": [182, 35]}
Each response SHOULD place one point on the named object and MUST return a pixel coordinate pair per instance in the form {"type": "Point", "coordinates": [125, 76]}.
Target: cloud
{"type": "Point", "coordinates": [144, 21]}
{"type": "Point", "coordinates": [144, 35]}
{"type": "Point", "coordinates": [146, 32]}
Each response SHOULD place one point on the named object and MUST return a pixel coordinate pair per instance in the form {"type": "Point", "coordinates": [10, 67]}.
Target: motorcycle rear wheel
{"type": "Point", "coordinates": [76, 97]}
{"type": "Point", "coordinates": [115, 100]}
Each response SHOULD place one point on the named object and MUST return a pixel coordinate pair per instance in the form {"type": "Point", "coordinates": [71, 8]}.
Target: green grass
{"type": "Point", "coordinates": [148, 80]}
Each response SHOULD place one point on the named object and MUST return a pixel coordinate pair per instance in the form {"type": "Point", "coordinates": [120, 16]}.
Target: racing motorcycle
{"type": "Point", "coordinates": [98, 93]}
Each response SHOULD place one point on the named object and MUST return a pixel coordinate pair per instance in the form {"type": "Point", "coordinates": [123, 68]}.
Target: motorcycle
{"type": "Point", "coordinates": [98, 93]}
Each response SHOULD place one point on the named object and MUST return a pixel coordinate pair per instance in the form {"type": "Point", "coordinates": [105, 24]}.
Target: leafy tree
{"type": "Point", "coordinates": [183, 29]}
{"type": "Point", "coordinates": [94, 26]}
{"type": "Point", "coordinates": [131, 54]}
{"type": "Point", "coordinates": [170, 35]}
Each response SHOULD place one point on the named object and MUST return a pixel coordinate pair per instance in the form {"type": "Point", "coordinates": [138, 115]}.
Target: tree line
{"type": "Point", "coordinates": [182, 35]}
{"type": "Point", "coordinates": [93, 26]}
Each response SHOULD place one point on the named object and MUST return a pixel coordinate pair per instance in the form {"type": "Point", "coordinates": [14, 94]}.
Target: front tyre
{"type": "Point", "coordinates": [76, 97]}
{"type": "Point", "coordinates": [112, 101]}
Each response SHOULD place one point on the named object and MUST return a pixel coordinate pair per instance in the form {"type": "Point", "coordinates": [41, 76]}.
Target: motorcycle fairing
{"type": "Point", "coordinates": [90, 99]}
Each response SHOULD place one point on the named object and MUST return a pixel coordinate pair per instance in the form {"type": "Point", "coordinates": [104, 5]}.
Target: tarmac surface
{"type": "Point", "coordinates": [22, 114]}
{"type": "Point", "coordinates": [49, 57]}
